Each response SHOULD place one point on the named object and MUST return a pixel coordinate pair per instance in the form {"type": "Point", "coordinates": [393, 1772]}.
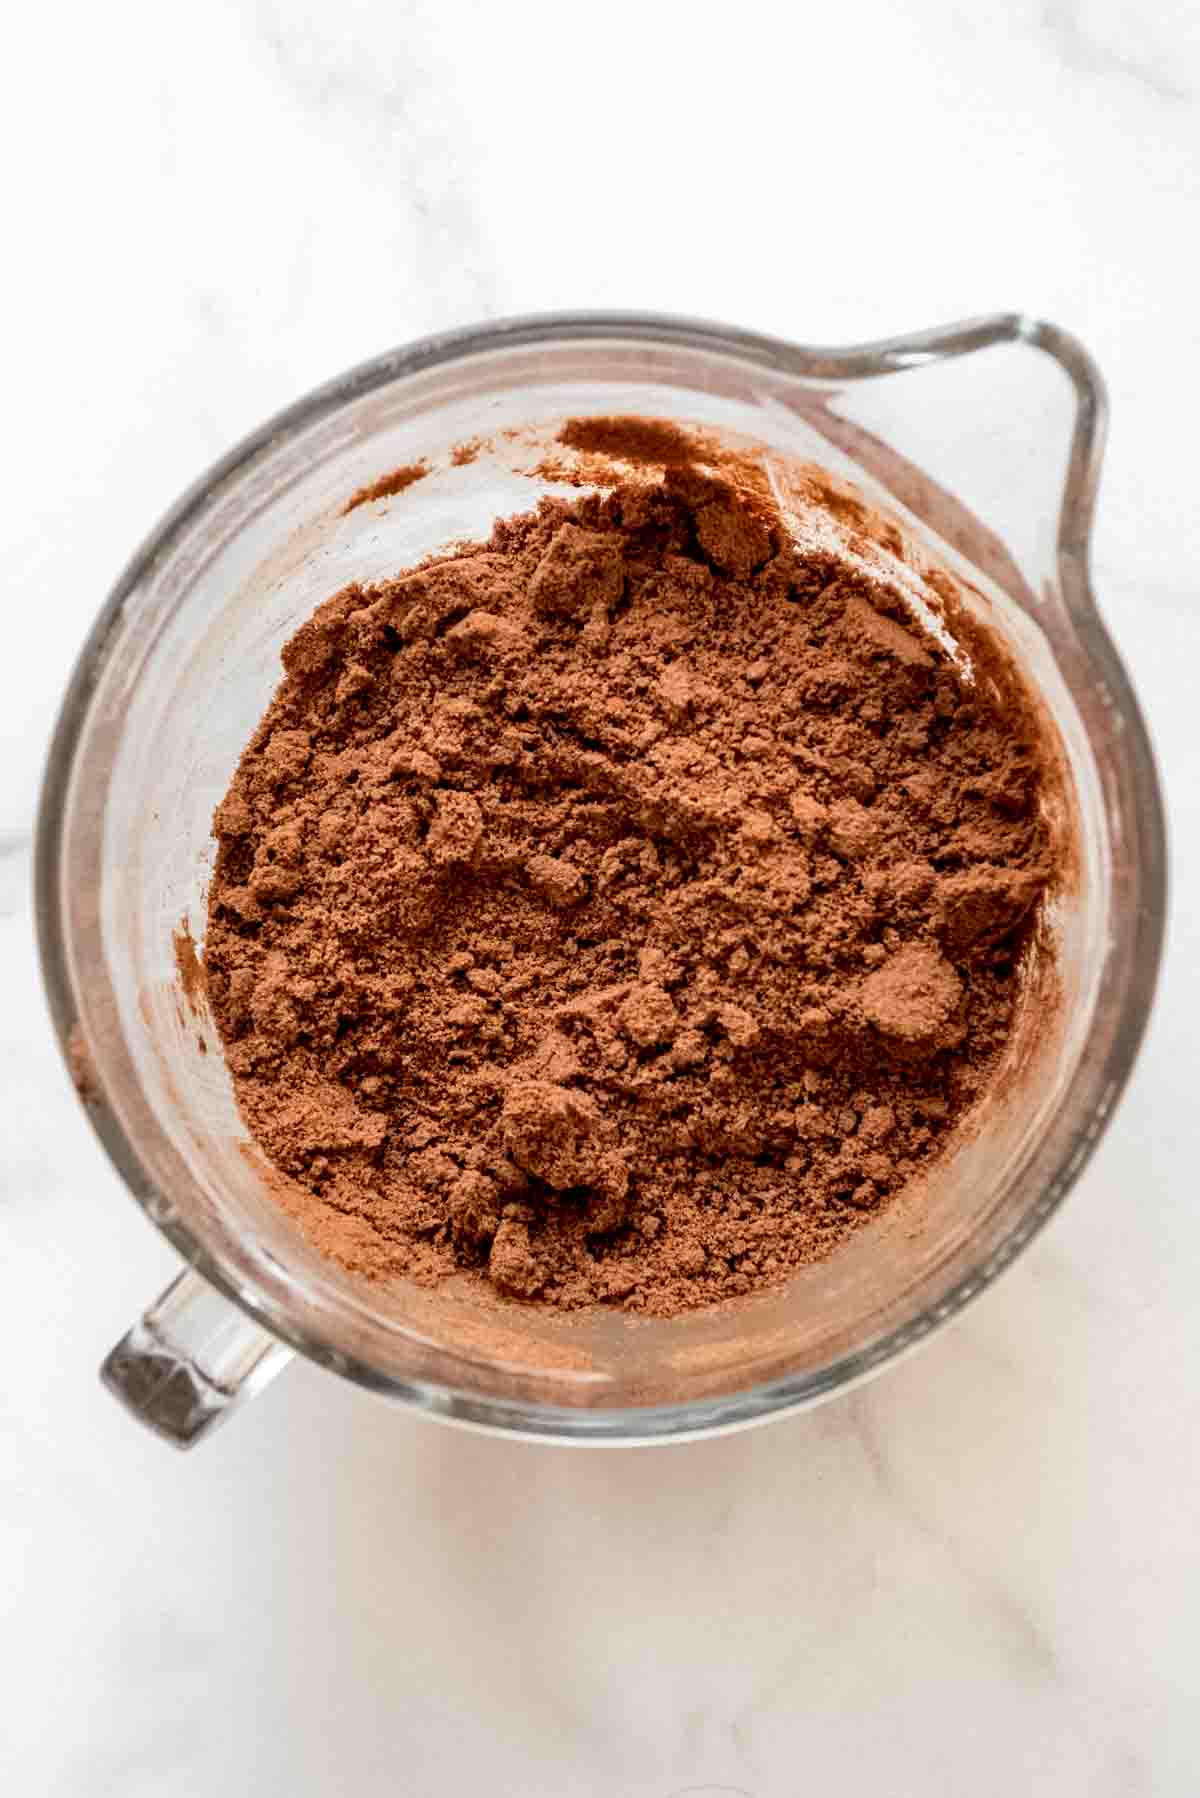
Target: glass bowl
{"type": "Point", "coordinates": [981, 442]}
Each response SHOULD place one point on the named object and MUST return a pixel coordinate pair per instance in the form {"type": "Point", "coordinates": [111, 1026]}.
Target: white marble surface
{"type": "Point", "coordinates": [979, 1575]}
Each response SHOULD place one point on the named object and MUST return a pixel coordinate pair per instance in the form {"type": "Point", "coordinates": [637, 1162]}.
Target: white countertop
{"type": "Point", "coordinates": [980, 1574]}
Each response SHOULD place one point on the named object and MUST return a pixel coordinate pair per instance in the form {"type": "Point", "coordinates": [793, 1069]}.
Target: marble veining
{"type": "Point", "coordinates": [1134, 51]}
{"type": "Point", "coordinates": [979, 1573]}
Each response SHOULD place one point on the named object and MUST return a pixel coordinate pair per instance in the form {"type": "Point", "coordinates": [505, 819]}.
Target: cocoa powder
{"type": "Point", "coordinates": [388, 485]}
{"type": "Point", "coordinates": [622, 910]}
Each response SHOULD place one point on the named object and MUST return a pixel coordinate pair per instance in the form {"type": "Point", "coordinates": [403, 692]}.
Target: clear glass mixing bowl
{"type": "Point", "coordinates": [984, 441]}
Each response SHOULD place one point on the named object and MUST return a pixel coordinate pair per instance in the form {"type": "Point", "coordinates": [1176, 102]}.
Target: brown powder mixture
{"type": "Point", "coordinates": [388, 485]}
{"type": "Point", "coordinates": [625, 908]}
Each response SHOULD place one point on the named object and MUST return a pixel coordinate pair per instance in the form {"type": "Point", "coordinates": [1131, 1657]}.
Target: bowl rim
{"type": "Point", "coordinates": [1144, 931]}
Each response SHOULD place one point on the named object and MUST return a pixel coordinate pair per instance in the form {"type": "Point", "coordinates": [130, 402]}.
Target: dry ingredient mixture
{"type": "Point", "coordinates": [621, 910]}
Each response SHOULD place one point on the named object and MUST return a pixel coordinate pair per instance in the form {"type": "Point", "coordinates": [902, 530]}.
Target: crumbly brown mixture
{"type": "Point", "coordinates": [624, 908]}
{"type": "Point", "coordinates": [388, 485]}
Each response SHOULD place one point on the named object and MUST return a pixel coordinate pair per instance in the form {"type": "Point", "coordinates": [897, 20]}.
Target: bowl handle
{"type": "Point", "coordinates": [995, 468]}
{"type": "Point", "coordinates": [190, 1360]}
